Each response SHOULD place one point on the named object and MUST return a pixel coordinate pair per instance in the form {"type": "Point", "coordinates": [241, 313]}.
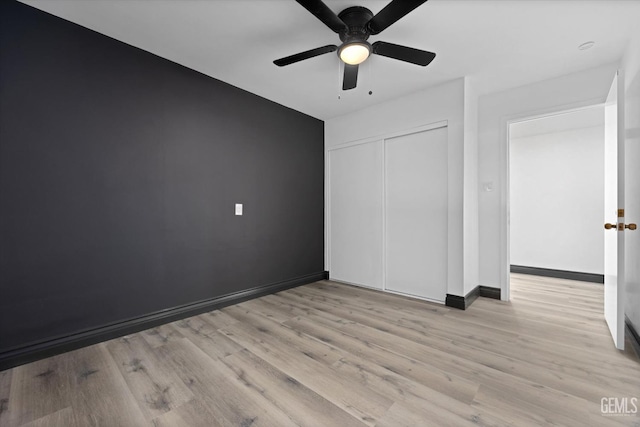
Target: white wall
{"type": "Point", "coordinates": [495, 111]}
{"type": "Point", "coordinates": [437, 104]}
{"type": "Point", "coordinates": [631, 67]}
{"type": "Point", "coordinates": [471, 232]}
{"type": "Point", "coordinates": [557, 198]}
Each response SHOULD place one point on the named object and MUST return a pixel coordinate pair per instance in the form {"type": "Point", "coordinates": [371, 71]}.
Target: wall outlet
{"type": "Point", "coordinates": [238, 208]}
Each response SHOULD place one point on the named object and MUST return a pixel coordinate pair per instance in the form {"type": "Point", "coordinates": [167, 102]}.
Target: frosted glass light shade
{"type": "Point", "coordinates": [355, 53]}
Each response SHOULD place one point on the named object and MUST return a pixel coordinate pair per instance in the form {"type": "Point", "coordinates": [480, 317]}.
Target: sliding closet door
{"type": "Point", "coordinates": [356, 214]}
{"type": "Point", "coordinates": [416, 214]}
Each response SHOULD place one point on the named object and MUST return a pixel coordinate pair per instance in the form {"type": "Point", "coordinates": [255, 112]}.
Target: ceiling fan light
{"type": "Point", "coordinates": [355, 53]}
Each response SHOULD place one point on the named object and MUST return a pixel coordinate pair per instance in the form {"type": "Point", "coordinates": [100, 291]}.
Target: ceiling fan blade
{"type": "Point", "coordinates": [305, 55]}
{"type": "Point", "coordinates": [403, 53]}
{"type": "Point", "coordinates": [391, 13]}
{"type": "Point", "coordinates": [350, 77]}
{"type": "Point", "coordinates": [324, 14]}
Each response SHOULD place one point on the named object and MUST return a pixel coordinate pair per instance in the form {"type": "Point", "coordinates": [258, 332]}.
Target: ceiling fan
{"type": "Point", "coordinates": [354, 25]}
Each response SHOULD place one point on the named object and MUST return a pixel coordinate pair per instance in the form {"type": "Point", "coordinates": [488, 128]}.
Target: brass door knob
{"type": "Point", "coordinates": [631, 226]}
{"type": "Point", "coordinates": [610, 226]}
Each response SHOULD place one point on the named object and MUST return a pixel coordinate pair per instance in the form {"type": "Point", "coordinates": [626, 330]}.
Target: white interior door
{"type": "Point", "coordinates": [614, 208]}
{"type": "Point", "coordinates": [416, 214]}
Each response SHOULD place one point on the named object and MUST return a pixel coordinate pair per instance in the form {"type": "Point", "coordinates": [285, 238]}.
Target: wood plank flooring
{"type": "Point", "coordinates": [328, 354]}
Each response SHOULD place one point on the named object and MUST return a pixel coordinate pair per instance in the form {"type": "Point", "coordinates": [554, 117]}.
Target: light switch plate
{"type": "Point", "coordinates": [238, 208]}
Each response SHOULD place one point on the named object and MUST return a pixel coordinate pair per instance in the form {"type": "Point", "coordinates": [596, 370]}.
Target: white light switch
{"type": "Point", "coordinates": [238, 208]}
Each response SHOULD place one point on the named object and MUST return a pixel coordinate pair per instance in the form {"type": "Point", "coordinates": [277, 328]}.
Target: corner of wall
{"type": "Point", "coordinates": [470, 202]}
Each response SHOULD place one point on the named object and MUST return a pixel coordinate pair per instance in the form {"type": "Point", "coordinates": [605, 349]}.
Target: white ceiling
{"type": "Point", "coordinates": [577, 119]}
{"type": "Point", "coordinates": [499, 43]}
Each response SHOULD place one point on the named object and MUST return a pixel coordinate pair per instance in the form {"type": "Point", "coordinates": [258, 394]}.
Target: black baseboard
{"type": "Point", "coordinates": [489, 292]}
{"type": "Point", "coordinates": [456, 301]}
{"type": "Point", "coordinates": [632, 334]}
{"type": "Point", "coordinates": [40, 350]}
{"type": "Point", "coordinates": [559, 274]}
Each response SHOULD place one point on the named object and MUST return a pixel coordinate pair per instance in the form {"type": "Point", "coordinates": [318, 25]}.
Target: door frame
{"type": "Point", "coordinates": [505, 179]}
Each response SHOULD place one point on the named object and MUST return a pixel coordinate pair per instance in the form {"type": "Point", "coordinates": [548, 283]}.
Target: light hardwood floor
{"type": "Point", "coordinates": [328, 354]}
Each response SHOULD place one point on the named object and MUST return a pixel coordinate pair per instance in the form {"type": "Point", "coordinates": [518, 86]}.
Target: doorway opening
{"type": "Point", "coordinates": [556, 195]}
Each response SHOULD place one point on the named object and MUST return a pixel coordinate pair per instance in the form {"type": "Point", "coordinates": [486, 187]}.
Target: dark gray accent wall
{"type": "Point", "coordinates": [119, 172]}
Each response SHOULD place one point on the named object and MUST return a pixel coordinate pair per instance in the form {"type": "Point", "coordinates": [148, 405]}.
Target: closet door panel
{"type": "Point", "coordinates": [356, 226]}
{"type": "Point", "coordinates": [416, 214]}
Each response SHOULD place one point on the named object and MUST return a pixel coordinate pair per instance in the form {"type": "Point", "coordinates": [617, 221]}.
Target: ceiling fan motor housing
{"type": "Point", "coordinates": [356, 18]}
